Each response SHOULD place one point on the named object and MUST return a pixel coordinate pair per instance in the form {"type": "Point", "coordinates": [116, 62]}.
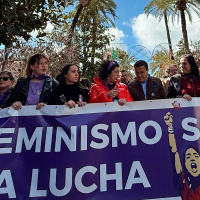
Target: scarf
{"type": "Point", "coordinates": [41, 77]}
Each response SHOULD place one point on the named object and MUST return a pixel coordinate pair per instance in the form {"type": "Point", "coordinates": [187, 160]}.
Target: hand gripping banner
{"type": "Point", "coordinates": [142, 150]}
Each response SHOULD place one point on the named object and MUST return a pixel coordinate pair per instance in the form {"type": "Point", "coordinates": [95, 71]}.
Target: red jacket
{"type": "Point", "coordinates": [98, 92]}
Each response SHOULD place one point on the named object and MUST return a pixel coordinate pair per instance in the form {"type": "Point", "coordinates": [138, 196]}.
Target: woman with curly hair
{"type": "Point", "coordinates": [107, 87]}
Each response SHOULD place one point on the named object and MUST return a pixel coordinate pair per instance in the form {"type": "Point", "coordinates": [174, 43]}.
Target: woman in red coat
{"type": "Point", "coordinates": [107, 87]}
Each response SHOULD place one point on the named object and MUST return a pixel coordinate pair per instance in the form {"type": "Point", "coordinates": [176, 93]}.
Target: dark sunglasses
{"type": "Point", "coordinates": [4, 78]}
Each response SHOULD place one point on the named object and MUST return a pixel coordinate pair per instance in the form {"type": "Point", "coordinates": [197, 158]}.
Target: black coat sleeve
{"type": "Point", "coordinates": [86, 99]}
{"type": "Point", "coordinates": [16, 95]}
{"type": "Point", "coordinates": [171, 93]}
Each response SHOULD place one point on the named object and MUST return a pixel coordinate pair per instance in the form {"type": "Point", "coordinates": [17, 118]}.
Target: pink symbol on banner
{"type": "Point", "coordinates": [80, 97]}
{"type": "Point", "coordinates": [176, 105]}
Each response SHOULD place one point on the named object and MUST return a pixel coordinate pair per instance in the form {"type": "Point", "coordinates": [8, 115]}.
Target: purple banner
{"type": "Point", "coordinates": [143, 150]}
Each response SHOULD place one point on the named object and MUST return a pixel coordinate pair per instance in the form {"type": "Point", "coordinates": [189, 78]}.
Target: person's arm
{"type": "Point", "coordinates": [83, 100]}
{"type": "Point", "coordinates": [98, 96]}
{"type": "Point", "coordinates": [14, 95]}
{"type": "Point", "coordinates": [54, 84]}
{"type": "Point", "coordinates": [53, 99]}
{"type": "Point", "coordinates": [86, 96]}
{"type": "Point", "coordinates": [128, 96]}
{"type": "Point", "coordinates": [171, 92]}
{"type": "Point", "coordinates": [131, 89]}
{"type": "Point", "coordinates": [168, 118]}
{"type": "Point", "coordinates": [6, 101]}
{"type": "Point", "coordinates": [162, 91]}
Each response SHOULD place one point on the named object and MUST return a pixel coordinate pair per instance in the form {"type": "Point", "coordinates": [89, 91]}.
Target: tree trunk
{"type": "Point", "coordinates": [168, 35]}
{"type": "Point", "coordinates": [5, 59]}
{"type": "Point", "coordinates": [184, 31]}
{"type": "Point", "coordinates": [82, 4]}
{"type": "Point", "coordinates": [93, 40]}
{"type": "Point", "coordinates": [74, 22]}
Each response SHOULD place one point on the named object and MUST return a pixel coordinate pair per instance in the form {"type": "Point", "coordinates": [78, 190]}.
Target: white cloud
{"type": "Point", "coordinates": [119, 39]}
{"type": "Point", "coordinates": [126, 24]}
{"type": "Point", "coordinates": [48, 29]}
{"type": "Point", "coordinates": [149, 32]}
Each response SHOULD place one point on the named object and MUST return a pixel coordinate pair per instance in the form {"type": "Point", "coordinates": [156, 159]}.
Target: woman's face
{"type": "Point", "coordinates": [185, 66]}
{"type": "Point", "coordinates": [40, 67]}
{"type": "Point", "coordinates": [5, 82]}
{"type": "Point", "coordinates": [72, 75]}
{"type": "Point", "coordinates": [114, 75]}
{"type": "Point", "coordinates": [192, 162]}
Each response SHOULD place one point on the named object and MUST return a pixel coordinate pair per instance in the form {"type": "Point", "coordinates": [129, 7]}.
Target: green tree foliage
{"type": "Point", "coordinates": [159, 61]}
{"type": "Point", "coordinates": [93, 41]}
{"type": "Point", "coordinates": [96, 8]}
{"type": "Point", "coordinates": [53, 45]}
{"type": "Point", "coordinates": [20, 17]}
{"type": "Point", "coordinates": [79, 8]}
{"type": "Point", "coordinates": [180, 46]}
{"type": "Point", "coordinates": [93, 33]}
{"type": "Point", "coordinates": [195, 50]}
{"type": "Point", "coordinates": [127, 61]}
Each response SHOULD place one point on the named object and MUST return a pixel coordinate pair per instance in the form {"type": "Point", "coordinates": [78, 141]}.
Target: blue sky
{"type": "Point", "coordinates": [126, 10]}
{"type": "Point", "coordinates": [134, 28]}
{"type": "Point", "coordinates": [135, 31]}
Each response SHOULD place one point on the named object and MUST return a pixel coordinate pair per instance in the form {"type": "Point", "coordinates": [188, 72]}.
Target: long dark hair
{"type": "Point", "coordinates": [64, 71]}
{"type": "Point", "coordinates": [103, 70]}
{"type": "Point", "coordinates": [194, 68]}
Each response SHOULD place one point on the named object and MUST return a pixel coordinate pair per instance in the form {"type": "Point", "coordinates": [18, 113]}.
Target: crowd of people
{"type": "Point", "coordinates": [110, 84]}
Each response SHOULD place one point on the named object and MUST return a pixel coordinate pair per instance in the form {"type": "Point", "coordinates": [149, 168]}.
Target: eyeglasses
{"type": "Point", "coordinates": [5, 78]}
{"type": "Point", "coordinates": [173, 70]}
{"type": "Point", "coordinates": [123, 76]}
{"type": "Point", "coordinates": [43, 63]}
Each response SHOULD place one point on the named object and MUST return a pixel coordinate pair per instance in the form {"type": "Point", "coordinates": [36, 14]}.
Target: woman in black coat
{"type": "Point", "coordinates": [69, 92]}
{"type": "Point", "coordinates": [35, 89]}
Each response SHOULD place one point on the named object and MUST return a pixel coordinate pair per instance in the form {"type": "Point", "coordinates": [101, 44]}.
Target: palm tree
{"type": "Point", "coordinates": [185, 6]}
{"type": "Point", "coordinates": [82, 4]}
{"type": "Point", "coordinates": [98, 9]}
{"type": "Point", "coordinates": [127, 61]}
{"type": "Point", "coordinates": [153, 7]}
{"type": "Point", "coordinates": [159, 61]}
{"type": "Point", "coordinates": [180, 8]}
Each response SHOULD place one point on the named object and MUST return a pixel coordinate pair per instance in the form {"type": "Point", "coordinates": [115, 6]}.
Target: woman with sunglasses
{"type": "Point", "coordinates": [107, 87]}
{"type": "Point", "coordinates": [187, 83]}
{"type": "Point", "coordinates": [35, 89]}
{"type": "Point", "coordinates": [69, 92]}
{"type": "Point", "coordinates": [6, 83]}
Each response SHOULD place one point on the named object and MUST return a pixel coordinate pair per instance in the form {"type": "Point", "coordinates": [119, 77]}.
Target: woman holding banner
{"type": "Point", "coordinates": [69, 92]}
{"type": "Point", "coordinates": [35, 89]}
{"type": "Point", "coordinates": [107, 87]}
{"type": "Point", "coordinates": [186, 84]}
